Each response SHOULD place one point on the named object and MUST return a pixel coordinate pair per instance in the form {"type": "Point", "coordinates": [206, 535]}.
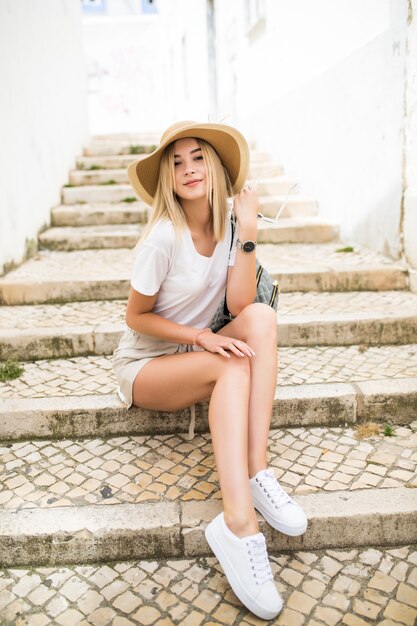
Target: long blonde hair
{"type": "Point", "coordinates": [166, 204]}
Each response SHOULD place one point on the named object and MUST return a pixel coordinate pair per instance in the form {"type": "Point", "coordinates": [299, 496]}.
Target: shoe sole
{"type": "Point", "coordinates": [292, 531]}
{"type": "Point", "coordinates": [236, 585]}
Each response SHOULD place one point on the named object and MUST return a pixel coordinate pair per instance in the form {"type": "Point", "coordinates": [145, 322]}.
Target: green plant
{"type": "Point", "coordinates": [109, 182]}
{"type": "Point", "coordinates": [136, 149]}
{"type": "Point", "coordinates": [95, 167]}
{"type": "Point", "coordinates": [10, 370]}
{"type": "Point", "coordinates": [346, 249]}
{"type": "Point", "coordinates": [130, 199]}
{"type": "Point", "coordinates": [69, 185]}
{"type": "Point", "coordinates": [389, 430]}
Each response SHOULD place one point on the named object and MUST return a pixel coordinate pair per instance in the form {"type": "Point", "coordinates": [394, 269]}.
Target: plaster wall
{"type": "Point", "coordinates": [410, 196]}
{"type": "Point", "coordinates": [320, 86]}
{"type": "Point", "coordinates": [126, 79]}
{"type": "Point", "coordinates": [186, 55]}
{"type": "Point", "coordinates": [43, 115]}
{"type": "Point", "coordinates": [147, 71]}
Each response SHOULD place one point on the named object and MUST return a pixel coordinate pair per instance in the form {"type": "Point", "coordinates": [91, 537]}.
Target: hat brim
{"type": "Point", "coordinates": [229, 143]}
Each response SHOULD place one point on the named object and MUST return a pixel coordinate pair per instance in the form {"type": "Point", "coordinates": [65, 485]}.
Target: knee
{"type": "Point", "coordinates": [260, 321]}
{"type": "Point", "coordinates": [236, 366]}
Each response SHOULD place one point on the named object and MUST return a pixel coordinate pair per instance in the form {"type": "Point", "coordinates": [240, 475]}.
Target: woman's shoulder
{"type": "Point", "coordinates": [161, 233]}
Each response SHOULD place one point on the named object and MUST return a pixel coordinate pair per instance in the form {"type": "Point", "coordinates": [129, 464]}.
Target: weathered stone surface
{"type": "Point", "coordinates": [43, 343]}
{"type": "Point", "coordinates": [394, 400]}
{"type": "Point", "coordinates": [99, 214]}
{"type": "Point", "coordinates": [336, 520]}
{"type": "Point", "coordinates": [104, 274]}
{"type": "Point", "coordinates": [116, 235]}
{"type": "Point", "coordinates": [348, 329]}
{"type": "Point", "coordinates": [91, 237]}
{"type": "Point", "coordinates": [85, 415]}
{"type": "Point", "coordinates": [90, 533]}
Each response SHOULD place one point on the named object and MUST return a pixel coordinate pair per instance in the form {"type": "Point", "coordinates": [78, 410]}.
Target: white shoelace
{"type": "Point", "coordinates": [274, 492]}
{"type": "Point", "coordinates": [258, 556]}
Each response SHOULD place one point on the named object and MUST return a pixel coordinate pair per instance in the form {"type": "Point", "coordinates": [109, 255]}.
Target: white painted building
{"type": "Point", "coordinates": [123, 45]}
{"type": "Point", "coordinates": [321, 86]}
{"type": "Point", "coordinates": [43, 116]}
{"type": "Point", "coordinates": [327, 87]}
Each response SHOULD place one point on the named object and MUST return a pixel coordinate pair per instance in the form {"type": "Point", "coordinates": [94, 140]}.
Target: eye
{"type": "Point", "coordinates": [177, 163]}
{"type": "Point", "coordinates": [199, 158]}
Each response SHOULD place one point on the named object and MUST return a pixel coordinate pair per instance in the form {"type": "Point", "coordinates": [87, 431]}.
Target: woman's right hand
{"type": "Point", "coordinates": [212, 342]}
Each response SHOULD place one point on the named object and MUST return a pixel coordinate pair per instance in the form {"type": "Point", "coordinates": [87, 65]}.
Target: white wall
{"type": "Point", "coordinates": [147, 71]}
{"type": "Point", "coordinates": [126, 83]}
{"type": "Point", "coordinates": [184, 23]}
{"type": "Point", "coordinates": [410, 197]}
{"type": "Point", "coordinates": [320, 85]}
{"type": "Point", "coordinates": [43, 115]}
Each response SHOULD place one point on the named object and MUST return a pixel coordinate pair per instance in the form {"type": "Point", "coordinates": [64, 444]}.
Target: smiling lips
{"type": "Point", "coordinates": [192, 182]}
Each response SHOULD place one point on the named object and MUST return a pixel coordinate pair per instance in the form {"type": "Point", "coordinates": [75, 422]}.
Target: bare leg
{"type": "Point", "coordinates": [177, 381]}
{"type": "Point", "coordinates": [257, 326]}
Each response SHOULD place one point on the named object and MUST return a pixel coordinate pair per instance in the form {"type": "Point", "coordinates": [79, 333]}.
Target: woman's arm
{"type": "Point", "coordinates": [139, 317]}
{"type": "Point", "coordinates": [241, 281]}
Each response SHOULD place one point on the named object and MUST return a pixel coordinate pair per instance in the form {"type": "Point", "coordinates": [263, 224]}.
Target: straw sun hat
{"type": "Point", "coordinates": [229, 143]}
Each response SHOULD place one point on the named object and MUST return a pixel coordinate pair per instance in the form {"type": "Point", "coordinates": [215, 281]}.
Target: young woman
{"type": "Point", "coordinates": [169, 359]}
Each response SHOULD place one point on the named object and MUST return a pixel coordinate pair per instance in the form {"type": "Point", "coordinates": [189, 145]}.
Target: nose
{"type": "Point", "coordinates": [190, 169]}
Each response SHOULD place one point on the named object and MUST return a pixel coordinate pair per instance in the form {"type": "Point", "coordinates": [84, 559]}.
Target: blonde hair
{"type": "Point", "coordinates": [166, 204]}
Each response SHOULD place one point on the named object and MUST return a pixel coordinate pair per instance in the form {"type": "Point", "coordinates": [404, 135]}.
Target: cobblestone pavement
{"type": "Point", "coordinates": [118, 263]}
{"type": "Point", "coordinates": [81, 376]}
{"type": "Point", "coordinates": [27, 317]}
{"type": "Point", "coordinates": [312, 304]}
{"type": "Point", "coordinates": [101, 229]}
{"type": "Point", "coordinates": [169, 467]}
{"type": "Point", "coordinates": [326, 588]}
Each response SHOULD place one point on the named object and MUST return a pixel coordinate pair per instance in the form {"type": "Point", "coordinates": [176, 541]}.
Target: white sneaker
{"type": "Point", "coordinates": [246, 566]}
{"type": "Point", "coordinates": [276, 506]}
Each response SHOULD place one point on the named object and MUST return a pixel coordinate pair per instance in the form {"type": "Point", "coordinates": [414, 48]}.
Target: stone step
{"type": "Point", "coordinates": [93, 164]}
{"type": "Point", "coordinates": [311, 319]}
{"type": "Point", "coordinates": [297, 204]}
{"type": "Point", "coordinates": [332, 586]}
{"type": "Point", "coordinates": [273, 185]}
{"type": "Point", "coordinates": [325, 385]}
{"type": "Point", "coordinates": [260, 169]}
{"type": "Point", "coordinates": [270, 185]}
{"type": "Point", "coordinates": [147, 497]}
{"type": "Point", "coordinates": [99, 214]}
{"type": "Point", "coordinates": [112, 147]}
{"type": "Point", "coordinates": [98, 177]}
{"type": "Point", "coordinates": [287, 230]}
{"type": "Point", "coordinates": [90, 237]}
{"type": "Point", "coordinates": [135, 149]}
{"type": "Point", "coordinates": [328, 404]}
{"type": "Point", "coordinates": [143, 137]}
{"type": "Point", "coordinates": [113, 162]}
{"type": "Point", "coordinates": [105, 274]}
{"type": "Point", "coordinates": [81, 376]}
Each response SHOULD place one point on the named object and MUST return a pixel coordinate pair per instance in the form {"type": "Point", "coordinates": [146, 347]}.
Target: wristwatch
{"type": "Point", "coordinates": [246, 246]}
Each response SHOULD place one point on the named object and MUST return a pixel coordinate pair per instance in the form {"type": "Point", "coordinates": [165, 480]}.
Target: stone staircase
{"type": "Point", "coordinates": [86, 481]}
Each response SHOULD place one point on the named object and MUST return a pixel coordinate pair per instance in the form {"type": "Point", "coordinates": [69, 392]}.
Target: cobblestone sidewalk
{"type": "Point", "coordinates": [86, 375]}
{"type": "Point", "coordinates": [168, 467]}
{"type": "Point", "coordinates": [336, 305]}
{"type": "Point", "coordinates": [326, 588]}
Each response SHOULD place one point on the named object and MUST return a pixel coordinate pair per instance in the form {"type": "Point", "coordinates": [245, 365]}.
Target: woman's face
{"type": "Point", "coordinates": [190, 170]}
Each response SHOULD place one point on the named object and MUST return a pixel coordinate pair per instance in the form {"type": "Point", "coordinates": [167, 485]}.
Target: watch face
{"type": "Point", "coordinates": [248, 246]}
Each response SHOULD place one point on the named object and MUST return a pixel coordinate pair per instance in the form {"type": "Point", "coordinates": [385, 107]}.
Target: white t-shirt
{"type": "Point", "coordinates": [190, 286]}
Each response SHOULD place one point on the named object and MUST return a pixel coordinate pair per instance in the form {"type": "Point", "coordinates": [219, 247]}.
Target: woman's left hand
{"type": "Point", "coordinates": [246, 207]}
